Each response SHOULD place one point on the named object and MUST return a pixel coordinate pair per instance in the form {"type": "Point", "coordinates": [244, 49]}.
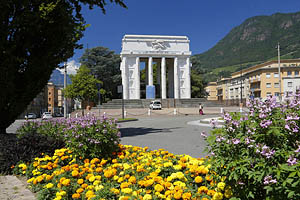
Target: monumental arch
{"type": "Point", "coordinates": [171, 54]}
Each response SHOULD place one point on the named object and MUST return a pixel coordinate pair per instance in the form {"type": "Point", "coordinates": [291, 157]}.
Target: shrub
{"type": "Point", "coordinates": [86, 136]}
{"type": "Point", "coordinates": [257, 154]}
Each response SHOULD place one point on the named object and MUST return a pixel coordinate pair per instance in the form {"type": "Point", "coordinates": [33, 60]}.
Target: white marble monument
{"type": "Point", "coordinates": [172, 57]}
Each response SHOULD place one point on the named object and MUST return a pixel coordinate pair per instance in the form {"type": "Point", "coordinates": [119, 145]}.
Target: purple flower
{"type": "Point", "coordinates": [213, 123]}
{"type": "Point", "coordinates": [265, 123]}
{"type": "Point", "coordinates": [269, 179]}
{"type": "Point", "coordinates": [297, 150]}
{"type": "Point", "coordinates": [292, 161]}
{"type": "Point", "coordinates": [203, 134]}
{"type": "Point", "coordinates": [267, 152]}
{"type": "Point", "coordinates": [235, 141]}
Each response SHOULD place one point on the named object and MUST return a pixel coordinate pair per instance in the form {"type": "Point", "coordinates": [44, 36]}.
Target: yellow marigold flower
{"type": "Point", "coordinates": [75, 173]}
{"type": "Point", "coordinates": [177, 167]}
{"type": "Point", "coordinates": [98, 177]}
{"type": "Point", "coordinates": [218, 196]}
{"type": "Point", "coordinates": [39, 179]}
{"type": "Point", "coordinates": [120, 180]}
{"type": "Point", "coordinates": [158, 188]}
{"type": "Point", "coordinates": [149, 182]}
{"type": "Point", "coordinates": [177, 195]}
{"type": "Point", "coordinates": [79, 190]}
{"type": "Point", "coordinates": [132, 179]}
{"type": "Point", "coordinates": [76, 196]}
{"type": "Point", "coordinates": [126, 190]}
{"type": "Point", "coordinates": [124, 185]}
{"type": "Point", "coordinates": [99, 187]}
{"type": "Point", "coordinates": [147, 197]}
{"type": "Point", "coordinates": [89, 194]}
{"type": "Point", "coordinates": [186, 196]}
{"type": "Point", "coordinates": [49, 185]}
{"type": "Point", "coordinates": [115, 191]}
{"type": "Point", "coordinates": [124, 197]}
{"type": "Point", "coordinates": [80, 181]}
{"type": "Point", "coordinates": [48, 177]}
{"type": "Point", "coordinates": [97, 182]}
{"type": "Point", "coordinates": [115, 178]}
{"type": "Point", "coordinates": [92, 179]}
{"type": "Point", "coordinates": [30, 180]}
{"type": "Point", "coordinates": [221, 186]}
{"type": "Point", "coordinates": [90, 187]}
{"type": "Point", "coordinates": [202, 189]}
{"type": "Point", "coordinates": [198, 179]}
{"type": "Point", "coordinates": [66, 182]}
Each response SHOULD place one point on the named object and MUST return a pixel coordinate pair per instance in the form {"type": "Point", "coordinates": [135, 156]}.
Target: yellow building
{"type": "Point", "coordinates": [260, 81]}
{"type": "Point", "coordinates": [211, 91]}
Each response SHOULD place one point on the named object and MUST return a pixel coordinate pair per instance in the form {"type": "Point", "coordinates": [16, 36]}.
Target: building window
{"type": "Point", "coordinates": [290, 84]}
{"type": "Point", "coordinates": [268, 85]}
{"type": "Point", "coordinates": [269, 94]}
{"type": "Point", "coordinates": [276, 75]}
{"type": "Point", "coordinates": [277, 94]}
{"type": "Point", "coordinates": [289, 73]}
{"type": "Point", "coordinates": [268, 75]}
{"type": "Point", "coordinates": [296, 73]}
{"type": "Point", "coordinates": [276, 85]}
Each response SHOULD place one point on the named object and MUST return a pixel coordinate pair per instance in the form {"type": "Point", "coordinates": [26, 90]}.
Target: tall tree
{"type": "Point", "coordinates": [84, 85]}
{"type": "Point", "coordinates": [197, 84]}
{"type": "Point", "coordinates": [105, 64]}
{"type": "Point", "coordinates": [35, 37]}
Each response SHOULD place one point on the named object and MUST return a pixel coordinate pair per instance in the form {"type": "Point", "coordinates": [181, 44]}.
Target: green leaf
{"type": "Point", "coordinates": [291, 194]}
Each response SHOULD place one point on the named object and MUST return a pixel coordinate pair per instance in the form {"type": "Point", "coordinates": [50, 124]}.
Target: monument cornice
{"type": "Point", "coordinates": [156, 53]}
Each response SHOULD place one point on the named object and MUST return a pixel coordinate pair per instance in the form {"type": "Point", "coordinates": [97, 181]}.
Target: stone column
{"type": "Point", "coordinates": [188, 79]}
{"type": "Point", "coordinates": [163, 84]}
{"type": "Point", "coordinates": [137, 78]}
{"type": "Point", "coordinates": [150, 71]}
{"type": "Point", "coordinates": [125, 81]}
{"type": "Point", "coordinates": [158, 66]}
{"type": "Point", "coordinates": [176, 79]}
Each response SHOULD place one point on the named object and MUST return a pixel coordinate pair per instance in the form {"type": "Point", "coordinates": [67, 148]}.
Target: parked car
{"type": "Point", "coordinates": [58, 114]}
{"type": "Point", "coordinates": [155, 105]}
{"type": "Point", "coordinates": [30, 116]}
{"type": "Point", "coordinates": [47, 115]}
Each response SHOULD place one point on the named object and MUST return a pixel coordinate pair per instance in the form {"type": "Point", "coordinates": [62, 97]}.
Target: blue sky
{"type": "Point", "coordinates": [205, 22]}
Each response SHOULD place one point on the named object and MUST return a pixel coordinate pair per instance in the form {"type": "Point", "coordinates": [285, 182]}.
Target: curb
{"type": "Point", "coordinates": [128, 120]}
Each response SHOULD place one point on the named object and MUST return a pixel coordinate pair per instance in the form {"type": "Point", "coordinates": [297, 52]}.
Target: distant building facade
{"type": "Point", "coordinates": [259, 81]}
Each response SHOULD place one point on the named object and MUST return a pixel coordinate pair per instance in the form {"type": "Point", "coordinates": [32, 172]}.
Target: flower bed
{"type": "Point", "coordinates": [134, 173]}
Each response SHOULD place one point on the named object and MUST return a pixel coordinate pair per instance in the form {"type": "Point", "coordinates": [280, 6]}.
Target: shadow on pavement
{"type": "Point", "coordinates": [128, 132]}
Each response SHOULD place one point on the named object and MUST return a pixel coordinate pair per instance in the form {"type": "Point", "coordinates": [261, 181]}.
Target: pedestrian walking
{"type": "Point", "coordinates": [200, 109]}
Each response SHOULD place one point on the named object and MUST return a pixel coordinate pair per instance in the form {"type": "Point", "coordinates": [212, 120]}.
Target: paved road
{"type": "Point", "coordinates": [170, 133]}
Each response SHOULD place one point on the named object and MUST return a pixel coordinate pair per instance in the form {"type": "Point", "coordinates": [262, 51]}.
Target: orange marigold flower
{"type": "Point", "coordinates": [177, 195]}
{"type": "Point", "coordinates": [80, 181]}
{"type": "Point", "coordinates": [76, 196]}
{"type": "Point", "coordinates": [79, 190]}
{"type": "Point", "coordinates": [198, 179]}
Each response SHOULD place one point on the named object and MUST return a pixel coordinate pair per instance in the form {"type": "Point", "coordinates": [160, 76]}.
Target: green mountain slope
{"type": "Point", "coordinates": [253, 41]}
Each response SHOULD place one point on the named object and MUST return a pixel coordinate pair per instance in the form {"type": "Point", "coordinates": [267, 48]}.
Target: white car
{"type": "Point", "coordinates": [30, 116]}
{"type": "Point", "coordinates": [155, 105]}
{"type": "Point", "coordinates": [47, 115]}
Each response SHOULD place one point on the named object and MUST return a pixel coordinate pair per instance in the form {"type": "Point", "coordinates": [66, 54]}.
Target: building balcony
{"type": "Point", "coordinates": [254, 80]}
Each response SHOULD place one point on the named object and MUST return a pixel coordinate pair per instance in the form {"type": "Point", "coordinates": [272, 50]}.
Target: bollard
{"type": "Point", "coordinates": [125, 113]}
{"type": "Point", "coordinates": [241, 109]}
{"type": "Point", "coordinates": [104, 113]}
{"type": "Point", "coordinates": [69, 115]}
{"type": "Point", "coordinates": [174, 111]}
{"type": "Point", "coordinates": [149, 112]}
{"type": "Point", "coordinates": [222, 111]}
{"type": "Point", "coordinates": [76, 115]}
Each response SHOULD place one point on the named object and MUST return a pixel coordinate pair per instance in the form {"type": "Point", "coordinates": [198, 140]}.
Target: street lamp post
{"type": "Point", "coordinates": [279, 73]}
{"type": "Point", "coordinates": [65, 85]}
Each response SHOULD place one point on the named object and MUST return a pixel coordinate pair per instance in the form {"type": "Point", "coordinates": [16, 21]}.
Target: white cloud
{"type": "Point", "coordinates": [72, 67]}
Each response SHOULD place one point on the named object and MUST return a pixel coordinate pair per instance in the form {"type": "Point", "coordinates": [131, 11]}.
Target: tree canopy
{"type": "Point", "coordinates": [35, 37]}
{"type": "Point", "coordinates": [104, 64]}
{"type": "Point", "coordinates": [84, 85]}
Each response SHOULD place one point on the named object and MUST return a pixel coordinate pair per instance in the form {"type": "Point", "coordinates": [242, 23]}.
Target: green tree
{"type": "Point", "coordinates": [104, 64]}
{"type": "Point", "coordinates": [84, 85]}
{"type": "Point", "coordinates": [35, 37]}
{"type": "Point", "coordinates": [197, 84]}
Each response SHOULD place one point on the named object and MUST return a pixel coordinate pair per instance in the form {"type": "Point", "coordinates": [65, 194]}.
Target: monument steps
{"type": "Point", "coordinates": [166, 103]}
